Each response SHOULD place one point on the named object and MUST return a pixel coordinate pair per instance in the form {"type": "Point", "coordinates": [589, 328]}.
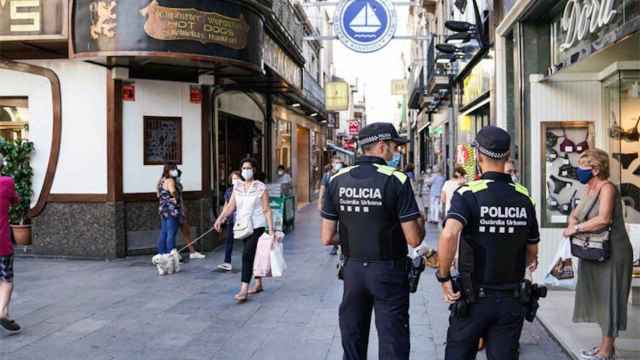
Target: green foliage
{"type": "Point", "coordinates": [17, 157]}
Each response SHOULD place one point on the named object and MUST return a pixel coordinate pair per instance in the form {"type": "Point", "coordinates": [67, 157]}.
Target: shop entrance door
{"type": "Point", "coordinates": [304, 158]}
{"type": "Point", "coordinates": [238, 138]}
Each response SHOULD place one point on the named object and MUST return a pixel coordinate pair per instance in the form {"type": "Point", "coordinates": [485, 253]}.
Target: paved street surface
{"type": "Point", "coordinates": [123, 310]}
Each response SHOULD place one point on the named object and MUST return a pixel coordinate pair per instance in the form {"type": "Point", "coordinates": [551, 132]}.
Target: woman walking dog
{"type": "Point", "coordinates": [250, 200]}
{"type": "Point", "coordinates": [169, 209]}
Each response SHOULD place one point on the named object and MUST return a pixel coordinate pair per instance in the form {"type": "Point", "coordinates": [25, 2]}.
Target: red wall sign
{"type": "Point", "coordinates": [196, 94]}
{"type": "Point", "coordinates": [354, 127]}
{"type": "Point", "coordinates": [128, 92]}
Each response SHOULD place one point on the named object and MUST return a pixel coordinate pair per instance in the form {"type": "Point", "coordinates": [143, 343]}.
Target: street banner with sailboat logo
{"type": "Point", "coordinates": [365, 25]}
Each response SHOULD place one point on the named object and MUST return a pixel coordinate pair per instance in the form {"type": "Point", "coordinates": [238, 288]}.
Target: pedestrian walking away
{"type": "Point", "coordinates": [250, 200]}
{"type": "Point", "coordinates": [336, 165]}
{"type": "Point", "coordinates": [375, 208]}
{"type": "Point", "coordinates": [495, 220]}
{"type": "Point", "coordinates": [234, 179]}
{"type": "Point", "coordinates": [435, 204]}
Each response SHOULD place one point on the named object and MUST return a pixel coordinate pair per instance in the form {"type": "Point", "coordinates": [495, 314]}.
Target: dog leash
{"type": "Point", "coordinates": [196, 239]}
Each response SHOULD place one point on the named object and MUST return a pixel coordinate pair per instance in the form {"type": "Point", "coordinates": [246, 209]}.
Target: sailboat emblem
{"type": "Point", "coordinates": [365, 25]}
{"type": "Point", "coordinates": [366, 22]}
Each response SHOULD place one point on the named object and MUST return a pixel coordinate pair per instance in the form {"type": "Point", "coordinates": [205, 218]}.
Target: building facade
{"type": "Point", "coordinates": [111, 90]}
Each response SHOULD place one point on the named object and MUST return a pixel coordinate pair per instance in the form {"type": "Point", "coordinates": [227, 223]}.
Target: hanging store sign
{"type": "Point", "coordinates": [195, 94]}
{"type": "Point", "coordinates": [277, 59]}
{"type": "Point", "coordinates": [399, 87]}
{"type": "Point", "coordinates": [365, 25]}
{"type": "Point", "coordinates": [336, 96]}
{"type": "Point", "coordinates": [33, 20]}
{"type": "Point", "coordinates": [128, 92]}
{"type": "Point", "coordinates": [354, 127]}
{"type": "Point", "coordinates": [192, 29]}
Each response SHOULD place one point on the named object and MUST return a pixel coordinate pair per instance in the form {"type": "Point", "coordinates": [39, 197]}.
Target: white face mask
{"type": "Point", "coordinates": [247, 174]}
{"type": "Point", "coordinates": [337, 166]}
{"type": "Point", "coordinates": [280, 172]}
{"type": "Point", "coordinates": [173, 173]}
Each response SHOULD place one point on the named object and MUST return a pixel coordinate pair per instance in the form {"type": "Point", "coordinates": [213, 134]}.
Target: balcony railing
{"type": "Point", "coordinates": [312, 90]}
{"type": "Point", "coordinates": [285, 14]}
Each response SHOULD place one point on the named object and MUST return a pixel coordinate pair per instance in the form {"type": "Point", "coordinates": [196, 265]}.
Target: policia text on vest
{"type": "Point", "coordinates": [375, 208]}
{"type": "Point", "coordinates": [494, 220]}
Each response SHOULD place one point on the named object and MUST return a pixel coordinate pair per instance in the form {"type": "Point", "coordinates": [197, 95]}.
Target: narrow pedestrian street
{"type": "Point", "coordinates": [123, 310]}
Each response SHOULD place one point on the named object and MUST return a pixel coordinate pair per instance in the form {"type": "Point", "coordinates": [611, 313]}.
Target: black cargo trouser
{"type": "Point", "coordinates": [382, 286]}
{"type": "Point", "coordinates": [496, 318]}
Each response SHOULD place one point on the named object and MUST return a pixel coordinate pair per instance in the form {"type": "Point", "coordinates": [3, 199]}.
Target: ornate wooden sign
{"type": "Point", "coordinates": [222, 30]}
{"type": "Point", "coordinates": [165, 23]}
{"type": "Point", "coordinates": [33, 20]}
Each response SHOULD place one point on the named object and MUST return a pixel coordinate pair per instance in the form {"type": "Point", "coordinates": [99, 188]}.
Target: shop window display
{"type": "Point", "coordinates": [622, 109]}
{"type": "Point", "coordinates": [562, 144]}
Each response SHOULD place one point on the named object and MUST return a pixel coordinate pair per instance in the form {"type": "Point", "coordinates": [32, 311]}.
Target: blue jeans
{"type": "Point", "coordinates": [168, 231]}
{"type": "Point", "coordinates": [228, 241]}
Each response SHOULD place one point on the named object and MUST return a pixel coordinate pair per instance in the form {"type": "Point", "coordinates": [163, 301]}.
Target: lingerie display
{"type": "Point", "coordinates": [625, 159]}
{"type": "Point", "coordinates": [563, 146]}
{"type": "Point", "coordinates": [630, 194]}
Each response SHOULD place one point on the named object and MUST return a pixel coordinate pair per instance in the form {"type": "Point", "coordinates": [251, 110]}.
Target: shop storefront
{"type": "Point", "coordinates": [146, 82]}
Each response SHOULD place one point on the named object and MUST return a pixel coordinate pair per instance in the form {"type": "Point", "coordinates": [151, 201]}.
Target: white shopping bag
{"type": "Point", "coordinates": [563, 273]}
{"type": "Point", "coordinates": [278, 265]}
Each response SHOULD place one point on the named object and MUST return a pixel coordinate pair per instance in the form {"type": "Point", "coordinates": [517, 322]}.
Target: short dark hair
{"type": "Point", "coordinates": [236, 173]}
{"type": "Point", "coordinates": [281, 167]}
{"type": "Point", "coordinates": [250, 160]}
{"type": "Point", "coordinates": [460, 170]}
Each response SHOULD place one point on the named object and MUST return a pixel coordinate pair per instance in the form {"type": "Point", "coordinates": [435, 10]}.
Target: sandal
{"type": "Point", "coordinates": [241, 298]}
{"type": "Point", "coordinates": [586, 354]}
{"type": "Point", "coordinates": [255, 291]}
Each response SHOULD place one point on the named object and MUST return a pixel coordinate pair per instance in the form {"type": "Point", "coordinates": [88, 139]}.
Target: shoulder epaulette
{"type": "Point", "coordinates": [343, 171]}
{"type": "Point", "coordinates": [391, 171]}
{"type": "Point", "coordinates": [479, 185]}
{"type": "Point", "coordinates": [524, 191]}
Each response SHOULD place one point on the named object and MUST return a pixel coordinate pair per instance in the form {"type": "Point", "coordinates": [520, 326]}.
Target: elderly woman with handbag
{"type": "Point", "coordinates": [250, 201]}
{"type": "Point", "coordinates": [599, 239]}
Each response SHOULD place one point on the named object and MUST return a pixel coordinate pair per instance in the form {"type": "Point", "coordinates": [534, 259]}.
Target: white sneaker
{"type": "Point", "coordinates": [196, 256]}
{"type": "Point", "coordinates": [225, 267]}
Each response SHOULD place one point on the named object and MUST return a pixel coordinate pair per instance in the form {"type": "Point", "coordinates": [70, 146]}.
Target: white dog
{"type": "Point", "coordinates": [167, 263]}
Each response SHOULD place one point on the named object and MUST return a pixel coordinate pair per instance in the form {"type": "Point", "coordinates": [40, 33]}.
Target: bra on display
{"type": "Point", "coordinates": [583, 146]}
{"type": "Point", "coordinates": [552, 155]}
{"type": "Point", "coordinates": [568, 171]}
{"type": "Point", "coordinates": [567, 146]}
{"type": "Point", "coordinates": [552, 139]}
{"type": "Point", "coordinates": [617, 132]}
{"type": "Point", "coordinates": [630, 195]}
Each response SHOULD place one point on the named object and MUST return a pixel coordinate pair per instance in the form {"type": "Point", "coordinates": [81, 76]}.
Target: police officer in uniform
{"type": "Point", "coordinates": [496, 223]}
{"type": "Point", "coordinates": [378, 216]}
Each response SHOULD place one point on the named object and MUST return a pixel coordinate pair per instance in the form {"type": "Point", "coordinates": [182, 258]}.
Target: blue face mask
{"type": "Point", "coordinates": [584, 175]}
{"type": "Point", "coordinates": [395, 161]}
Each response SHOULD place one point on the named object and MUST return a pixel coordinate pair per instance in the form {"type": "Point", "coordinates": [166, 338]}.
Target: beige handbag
{"type": "Point", "coordinates": [243, 228]}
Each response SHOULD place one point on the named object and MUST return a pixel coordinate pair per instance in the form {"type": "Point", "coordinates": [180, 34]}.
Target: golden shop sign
{"type": "Point", "coordinates": [165, 23]}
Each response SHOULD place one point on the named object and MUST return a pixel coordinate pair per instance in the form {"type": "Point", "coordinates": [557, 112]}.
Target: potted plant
{"type": "Point", "coordinates": [17, 156]}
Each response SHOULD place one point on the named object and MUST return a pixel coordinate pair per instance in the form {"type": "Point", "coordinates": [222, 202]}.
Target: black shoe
{"type": "Point", "coordinates": [10, 326]}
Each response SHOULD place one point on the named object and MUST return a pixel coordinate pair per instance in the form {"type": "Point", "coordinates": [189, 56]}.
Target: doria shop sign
{"type": "Point", "coordinates": [583, 17]}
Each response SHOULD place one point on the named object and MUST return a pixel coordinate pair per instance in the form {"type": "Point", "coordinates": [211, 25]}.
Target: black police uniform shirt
{"type": "Point", "coordinates": [370, 200]}
{"type": "Point", "coordinates": [499, 221]}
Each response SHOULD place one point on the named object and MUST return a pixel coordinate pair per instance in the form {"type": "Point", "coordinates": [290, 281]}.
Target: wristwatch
{"type": "Point", "coordinates": [442, 280]}
{"type": "Point", "coordinates": [577, 228]}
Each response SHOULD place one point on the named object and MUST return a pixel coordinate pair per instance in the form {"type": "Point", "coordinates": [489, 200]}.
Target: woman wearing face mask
{"type": "Point", "coordinates": [249, 198]}
{"type": "Point", "coordinates": [169, 209]}
{"type": "Point", "coordinates": [235, 180]}
{"type": "Point", "coordinates": [602, 291]}
{"type": "Point", "coordinates": [283, 176]}
{"type": "Point", "coordinates": [336, 165]}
